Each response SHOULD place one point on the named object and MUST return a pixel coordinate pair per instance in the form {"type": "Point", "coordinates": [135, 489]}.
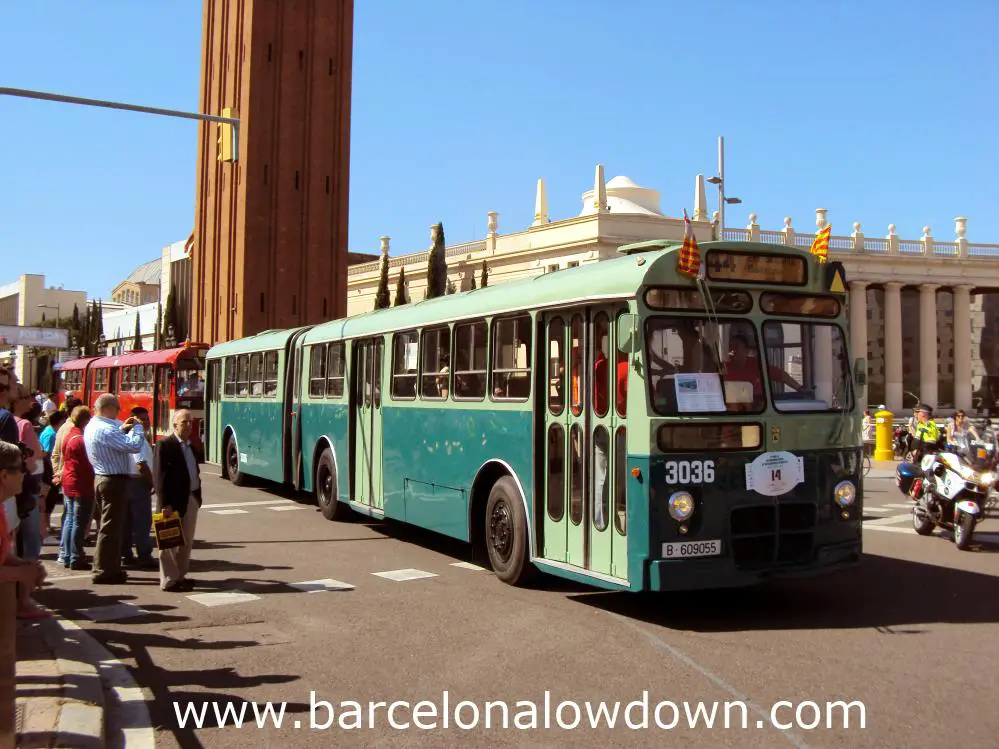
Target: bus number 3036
{"type": "Point", "coordinates": [690, 472]}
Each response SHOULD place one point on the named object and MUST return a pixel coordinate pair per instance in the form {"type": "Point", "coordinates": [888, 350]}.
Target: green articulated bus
{"type": "Point", "coordinates": [616, 423]}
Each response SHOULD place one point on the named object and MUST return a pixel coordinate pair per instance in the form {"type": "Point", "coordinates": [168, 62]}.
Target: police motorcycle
{"type": "Point", "coordinates": [950, 487]}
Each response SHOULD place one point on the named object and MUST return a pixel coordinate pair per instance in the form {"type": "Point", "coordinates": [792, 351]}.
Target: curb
{"type": "Point", "coordinates": [72, 716]}
{"type": "Point", "coordinates": [98, 702]}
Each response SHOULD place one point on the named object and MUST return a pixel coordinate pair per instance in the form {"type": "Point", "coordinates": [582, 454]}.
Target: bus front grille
{"type": "Point", "coordinates": [766, 535]}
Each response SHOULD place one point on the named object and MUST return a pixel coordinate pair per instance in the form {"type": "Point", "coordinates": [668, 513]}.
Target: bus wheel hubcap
{"type": "Point", "coordinates": [501, 530]}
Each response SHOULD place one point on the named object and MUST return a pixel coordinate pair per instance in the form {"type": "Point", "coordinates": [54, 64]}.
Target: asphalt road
{"type": "Point", "coordinates": [911, 634]}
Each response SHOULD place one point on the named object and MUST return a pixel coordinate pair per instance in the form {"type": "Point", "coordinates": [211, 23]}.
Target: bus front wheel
{"type": "Point", "coordinates": [326, 488]}
{"type": "Point", "coordinates": [506, 533]}
{"type": "Point", "coordinates": [232, 464]}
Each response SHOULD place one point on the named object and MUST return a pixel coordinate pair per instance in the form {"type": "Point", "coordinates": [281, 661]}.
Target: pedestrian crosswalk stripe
{"type": "Point", "coordinates": [229, 512]}
{"type": "Point", "coordinates": [887, 529]}
{"type": "Point", "coordinates": [113, 612]}
{"type": "Point", "coordinates": [287, 508]}
{"type": "Point", "coordinates": [224, 598]}
{"type": "Point", "coordinates": [402, 575]}
{"type": "Point", "coordinates": [247, 504]}
{"type": "Point", "coordinates": [320, 586]}
{"type": "Point", "coordinates": [467, 566]}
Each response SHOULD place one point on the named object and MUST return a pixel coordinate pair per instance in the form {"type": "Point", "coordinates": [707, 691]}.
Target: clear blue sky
{"type": "Point", "coordinates": [881, 112]}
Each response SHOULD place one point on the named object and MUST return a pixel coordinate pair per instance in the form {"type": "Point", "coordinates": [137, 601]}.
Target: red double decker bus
{"type": "Point", "coordinates": [161, 381]}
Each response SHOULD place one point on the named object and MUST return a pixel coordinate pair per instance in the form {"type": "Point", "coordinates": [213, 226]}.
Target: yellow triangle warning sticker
{"type": "Point", "coordinates": [836, 278]}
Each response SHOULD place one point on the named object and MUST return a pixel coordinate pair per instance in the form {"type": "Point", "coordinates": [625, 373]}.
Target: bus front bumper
{"type": "Point", "coordinates": [722, 571]}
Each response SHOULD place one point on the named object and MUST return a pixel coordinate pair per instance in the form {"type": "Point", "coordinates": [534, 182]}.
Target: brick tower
{"type": "Point", "coordinates": [270, 236]}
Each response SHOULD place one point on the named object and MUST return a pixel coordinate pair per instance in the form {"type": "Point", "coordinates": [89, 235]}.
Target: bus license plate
{"type": "Point", "coordinates": [687, 549]}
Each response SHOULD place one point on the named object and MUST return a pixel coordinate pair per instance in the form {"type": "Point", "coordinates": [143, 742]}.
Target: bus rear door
{"type": "Point", "coordinates": [367, 461]}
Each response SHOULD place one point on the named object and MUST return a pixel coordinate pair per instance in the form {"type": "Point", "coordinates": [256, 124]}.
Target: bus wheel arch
{"type": "Point", "coordinates": [325, 482]}
{"type": "Point", "coordinates": [498, 524]}
{"type": "Point", "coordinates": [231, 458]}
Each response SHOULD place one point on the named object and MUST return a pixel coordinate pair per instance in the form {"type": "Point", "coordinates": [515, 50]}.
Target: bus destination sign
{"type": "Point", "coordinates": [752, 267]}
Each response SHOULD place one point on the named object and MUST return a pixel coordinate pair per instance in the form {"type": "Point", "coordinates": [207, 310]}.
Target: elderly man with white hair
{"type": "Point", "coordinates": [110, 446]}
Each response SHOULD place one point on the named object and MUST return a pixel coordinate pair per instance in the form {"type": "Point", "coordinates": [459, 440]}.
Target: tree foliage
{"type": "Point", "coordinates": [400, 289]}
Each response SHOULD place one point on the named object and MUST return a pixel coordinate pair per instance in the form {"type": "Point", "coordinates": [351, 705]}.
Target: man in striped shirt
{"type": "Point", "coordinates": [110, 445]}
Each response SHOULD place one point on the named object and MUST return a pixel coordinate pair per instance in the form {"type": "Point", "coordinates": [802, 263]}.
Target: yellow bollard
{"type": "Point", "coordinates": [884, 436]}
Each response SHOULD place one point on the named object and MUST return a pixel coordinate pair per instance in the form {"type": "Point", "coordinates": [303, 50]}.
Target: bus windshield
{"type": "Point", "coordinates": [813, 355]}
{"type": "Point", "coordinates": [702, 366]}
{"type": "Point", "coordinates": [190, 383]}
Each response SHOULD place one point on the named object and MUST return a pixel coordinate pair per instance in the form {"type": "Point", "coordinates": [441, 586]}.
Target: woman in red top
{"type": "Point", "coordinates": [28, 574]}
{"type": "Point", "coordinates": [78, 492]}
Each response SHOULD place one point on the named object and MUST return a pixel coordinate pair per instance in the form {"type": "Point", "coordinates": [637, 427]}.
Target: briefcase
{"type": "Point", "coordinates": [169, 530]}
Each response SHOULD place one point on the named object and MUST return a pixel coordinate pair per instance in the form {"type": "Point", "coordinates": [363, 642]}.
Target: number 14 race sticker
{"type": "Point", "coordinates": [773, 474]}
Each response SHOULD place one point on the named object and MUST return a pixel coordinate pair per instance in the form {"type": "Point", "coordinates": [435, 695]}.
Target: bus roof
{"type": "Point", "coordinates": [74, 364]}
{"type": "Point", "coordinates": [162, 356]}
{"type": "Point", "coordinates": [638, 264]}
{"type": "Point", "coordinates": [268, 340]}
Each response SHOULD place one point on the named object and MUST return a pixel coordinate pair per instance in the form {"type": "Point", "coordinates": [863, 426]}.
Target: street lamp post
{"type": "Point", "coordinates": [720, 181]}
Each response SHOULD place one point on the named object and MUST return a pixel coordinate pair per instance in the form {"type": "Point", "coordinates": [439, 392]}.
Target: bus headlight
{"type": "Point", "coordinates": [681, 506]}
{"type": "Point", "coordinates": [844, 493]}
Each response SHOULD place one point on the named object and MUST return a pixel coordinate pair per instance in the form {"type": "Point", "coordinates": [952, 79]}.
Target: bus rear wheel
{"type": "Point", "coordinates": [326, 492]}
{"type": "Point", "coordinates": [506, 534]}
{"type": "Point", "coordinates": [232, 464]}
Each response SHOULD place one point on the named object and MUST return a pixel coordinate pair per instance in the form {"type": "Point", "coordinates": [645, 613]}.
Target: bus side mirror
{"type": "Point", "coordinates": [860, 371]}
{"type": "Point", "coordinates": [626, 333]}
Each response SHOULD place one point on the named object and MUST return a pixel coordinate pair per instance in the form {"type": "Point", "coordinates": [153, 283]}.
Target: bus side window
{"type": "Point", "coordinates": [230, 376]}
{"type": "Point", "coordinates": [511, 358]}
{"type": "Point", "coordinates": [242, 375]}
{"type": "Point", "coordinates": [336, 369]}
{"type": "Point", "coordinates": [270, 373]}
{"type": "Point", "coordinates": [404, 359]}
{"type": "Point", "coordinates": [436, 380]}
{"type": "Point", "coordinates": [256, 374]}
{"type": "Point", "coordinates": [317, 371]}
{"type": "Point", "coordinates": [470, 360]}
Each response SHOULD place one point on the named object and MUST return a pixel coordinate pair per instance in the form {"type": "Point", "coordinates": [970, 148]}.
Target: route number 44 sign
{"type": "Point", "coordinates": [773, 474]}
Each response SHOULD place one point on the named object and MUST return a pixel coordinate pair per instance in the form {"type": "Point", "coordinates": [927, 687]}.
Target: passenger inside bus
{"type": "Point", "coordinates": [742, 365]}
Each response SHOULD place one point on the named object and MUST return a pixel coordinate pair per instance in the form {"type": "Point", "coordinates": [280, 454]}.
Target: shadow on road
{"type": "Point", "coordinates": [883, 592]}
{"type": "Point", "coordinates": [172, 690]}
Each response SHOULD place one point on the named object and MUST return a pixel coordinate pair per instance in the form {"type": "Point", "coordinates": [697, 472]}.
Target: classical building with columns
{"type": "Point", "coordinates": [925, 311]}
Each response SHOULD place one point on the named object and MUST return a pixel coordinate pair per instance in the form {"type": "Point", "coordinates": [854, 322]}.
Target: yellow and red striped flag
{"type": "Point", "coordinates": [689, 262]}
{"type": "Point", "coordinates": [820, 247]}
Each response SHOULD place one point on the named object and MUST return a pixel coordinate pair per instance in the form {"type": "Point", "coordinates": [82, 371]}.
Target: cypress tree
{"type": "Point", "coordinates": [485, 274]}
{"type": "Point", "coordinates": [137, 340]}
{"type": "Point", "coordinates": [450, 287]}
{"type": "Point", "coordinates": [437, 265]}
{"type": "Point", "coordinates": [382, 298]}
{"type": "Point", "coordinates": [400, 289]}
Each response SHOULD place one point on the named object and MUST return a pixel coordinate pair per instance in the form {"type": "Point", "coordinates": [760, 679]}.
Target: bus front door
{"type": "Point", "coordinates": [368, 424]}
{"type": "Point", "coordinates": [584, 443]}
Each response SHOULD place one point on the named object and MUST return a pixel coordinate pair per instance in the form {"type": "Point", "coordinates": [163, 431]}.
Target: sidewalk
{"type": "Point", "coordinates": [60, 698]}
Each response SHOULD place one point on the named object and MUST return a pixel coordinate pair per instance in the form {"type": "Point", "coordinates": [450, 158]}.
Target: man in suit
{"type": "Point", "coordinates": [178, 490]}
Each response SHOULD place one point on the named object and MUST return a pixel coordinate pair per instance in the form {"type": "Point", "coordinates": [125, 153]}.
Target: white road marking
{"type": "Point", "coordinates": [287, 509]}
{"type": "Point", "coordinates": [320, 586]}
{"type": "Point", "coordinates": [223, 599]}
{"type": "Point", "coordinates": [888, 529]}
{"type": "Point", "coordinates": [402, 575]}
{"type": "Point", "coordinates": [712, 677]}
{"type": "Point", "coordinates": [248, 504]}
{"type": "Point", "coordinates": [888, 521]}
{"type": "Point", "coordinates": [900, 507]}
{"type": "Point", "coordinates": [877, 509]}
{"type": "Point", "coordinates": [229, 512]}
{"type": "Point", "coordinates": [115, 611]}
{"type": "Point", "coordinates": [468, 566]}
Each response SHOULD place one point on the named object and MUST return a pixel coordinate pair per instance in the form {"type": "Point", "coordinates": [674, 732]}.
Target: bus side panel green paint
{"type": "Point", "coordinates": [638, 529]}
{"type": "Point", "coordinates": [259, 434]}
{"type": "Point", "coordinates": [430, 461]}
{"type": "Point", "coordinates": [328, 419]}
